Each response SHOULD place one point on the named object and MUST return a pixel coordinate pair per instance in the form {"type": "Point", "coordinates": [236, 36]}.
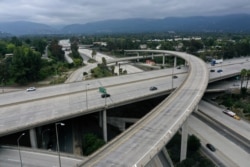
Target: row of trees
{"type": "Point", "coordinates": [215, 45]}
{"type": "Point", "coordinates": [21, 60]}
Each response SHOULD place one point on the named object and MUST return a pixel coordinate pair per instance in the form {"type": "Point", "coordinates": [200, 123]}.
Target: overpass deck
{"type": "Point", "coordinates": [73, 99]}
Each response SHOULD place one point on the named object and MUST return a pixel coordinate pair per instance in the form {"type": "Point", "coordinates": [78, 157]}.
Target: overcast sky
{"type": "Point", "coordinates": [63, 12]}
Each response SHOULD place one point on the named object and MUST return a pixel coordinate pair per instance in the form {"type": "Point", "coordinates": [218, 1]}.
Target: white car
{"type": "Point", "coordinates": [31, 89]}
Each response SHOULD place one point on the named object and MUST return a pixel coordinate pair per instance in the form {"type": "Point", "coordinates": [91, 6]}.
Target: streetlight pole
{"type": "Point", "coordinates": [172, 78]}
{"type": "Point", "coordinates": [58, 148]}
{"type": "Point", "coordinates": [43, 142]}
{"type": "Point", "coordinates": [3, 85]}
{"type": "Point", "coordinates": [19, 148]}
{"type": "Point", "coordinates": [87, 95]}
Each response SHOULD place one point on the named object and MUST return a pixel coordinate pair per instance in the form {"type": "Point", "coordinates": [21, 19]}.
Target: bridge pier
{"type": "Point", "coordinates": [104, 124]}
{"type": "Point", "coordinates": [175, 61]}
{"type": "Point", "coordinates": [163, 59]}
{"type": "Point", "coordinates": [162, 159]}
{"type": "Point", "coordinates": [100, 119]}
{"type": "Point", "coordinates": [184, 139]}
{"type": "Point", "coordinates": [33, 138]}
{"type": "Point", "coordinates": [165, 152]}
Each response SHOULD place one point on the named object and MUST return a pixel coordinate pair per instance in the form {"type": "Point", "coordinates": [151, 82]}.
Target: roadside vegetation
{"type": "Point", "coordinates": [194, 156]}
{"type": "Point", "coordinates": [238, 101]}
{"type": "Point", "coordinates": [24, 60]}
{"type": "Point", "coordinates": [91, 143]}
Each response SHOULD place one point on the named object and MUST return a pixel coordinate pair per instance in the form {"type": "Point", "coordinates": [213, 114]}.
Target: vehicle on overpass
{"type": "Point", "coordinates": [31, 89]}
{"type": "Point", "coordinates": [105, 95]}
{"type": "Point", "coordinates": [216, 61]}
{"type": "Point", "coordinates": [220, 70]}
{"type": "Point", "coordinates": [210, 147]}
{"type": "Point", "coordinates": [152, 88]}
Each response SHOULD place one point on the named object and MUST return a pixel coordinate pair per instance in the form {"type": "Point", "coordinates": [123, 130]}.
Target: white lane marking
{"type": "Point", "coordinates": [13, 160]}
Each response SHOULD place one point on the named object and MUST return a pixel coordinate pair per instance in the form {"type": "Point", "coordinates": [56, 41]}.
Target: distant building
{"type": "Point", "coordinates": [100, 43]}
{"type": "Point", "coordinates": [158, 47]}
{"type": "Point", "coordinates": [8, 54]}
{"type": "Point", "coordinates": [143, 46]}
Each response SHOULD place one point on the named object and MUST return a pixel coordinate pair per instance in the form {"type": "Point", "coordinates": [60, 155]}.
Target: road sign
{"type": "Point", "coordinates": [102, 90]}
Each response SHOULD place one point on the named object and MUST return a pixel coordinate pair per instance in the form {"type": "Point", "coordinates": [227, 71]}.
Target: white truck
{"type": "Point", "coordinates": [231, 114]}
{"type": "Point", "coordinates": [216, 61]}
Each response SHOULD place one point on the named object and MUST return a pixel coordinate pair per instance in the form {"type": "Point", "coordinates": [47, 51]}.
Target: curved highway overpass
{"type": "Point", "coordinates": [140, 143]}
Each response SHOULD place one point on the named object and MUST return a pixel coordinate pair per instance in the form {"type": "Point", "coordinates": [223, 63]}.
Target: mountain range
{"type": "Point", "coordinates": [228, 23]}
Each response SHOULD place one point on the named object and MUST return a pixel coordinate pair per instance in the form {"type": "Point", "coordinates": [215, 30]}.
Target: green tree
{"type": "Point", "coordinates": [93, 54]}
{"type": "Point", "coordinates": [56, 51]}
{"type": "Point", "coordinates": [247, 77]}
{"type": "Point", "coordinates": [91, 143]}
{"type": "Point", "coordinates": [16, 41]}
{"type": "Point", "coordinates": [40, 45]}
{"type": "Point", "coordinates": [3, 48]}
{"type": "Point", "coordinates": [10, 48]}
{"type": "Point", "coordinates": [25, 65]}
{"type": "Point", "coordinates": [193, 143]}
{"type": "Point", "coordinates": [243, 74]}
{"type": "Point", "coordinates": [104, 61]}
{"type": "Point", "coordinates": [74, 49]}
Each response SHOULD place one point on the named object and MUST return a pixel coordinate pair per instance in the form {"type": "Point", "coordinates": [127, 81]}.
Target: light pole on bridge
{"type": "Point", "coordinates": [58, 147]}
{"type": "Point", "coordinates": [19, 148]}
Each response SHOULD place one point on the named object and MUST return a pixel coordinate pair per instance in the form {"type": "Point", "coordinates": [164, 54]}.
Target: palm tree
{"type": "Point", "coordinates": [243, 74]}
{"type": "Point", "coordinates": [93, 54]}
{"type": "Point", "coordinates": [248, 77]}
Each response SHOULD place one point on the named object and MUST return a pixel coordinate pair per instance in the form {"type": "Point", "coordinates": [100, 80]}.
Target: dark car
{"type": "Point", "coordinates": [211, 147]}
{"type": "Point", "coordinates": [153, 88]}
{"type": "Point", "coordinates": [175, 76]}
{"type": "Point", "coordinates": [220, 70]}
{"type": "Point", "coordinates": [178, 67]}
{"type": "Point", "coordinates": [212, 70]}
{"type": "Point", "coordinates": [105, 95]}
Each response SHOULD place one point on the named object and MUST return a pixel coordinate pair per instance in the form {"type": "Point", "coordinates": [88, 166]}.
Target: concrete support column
{"type": "Point", "coordinates": [77, 137]}
{"type": "Point", "coordinates": [152, 56]}
{"type": "Point", "coordinates": [100, 119]}
{"type": "Point", "coordinates": [184, 139]}
{"type": "Point", "coordinates": [175, 61]}
{"type": "Point", "coordinates": [104, 125]}
{"type": "Point", "coordinates": [163, 59]}
{"type": "Point", "coordinates": [165, 152]}
{"type": "Point", "coordinates": [196, 109]}
{"type": "Point", "coordinates": [33, 138]}
{"type": "Point", "coordinates": [138, 56]}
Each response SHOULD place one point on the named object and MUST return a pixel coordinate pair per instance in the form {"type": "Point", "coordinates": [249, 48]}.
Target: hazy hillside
{"type": "Point", "coordinates": [229, 23]}
{"type": "Point", "coordinates": [23, 28]}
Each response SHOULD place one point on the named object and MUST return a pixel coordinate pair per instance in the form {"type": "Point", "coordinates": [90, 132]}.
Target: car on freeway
{"type": "Point", "coordinates": [220, 70]}
{"type": "Point", "coordinates": [104, 95]}
{"type": "Point", "coordinates": [179, 67]}
{"type": "Point", "coordinates": [212, 70]}
{"type": "Point", "coordinates": [175, 76]}
{"type": "Point", "coordinates": [210, 147]}
{"type": "Point", "coordinates": [152, 88]}
{"type": "Point", "coordinates": [31, 89]}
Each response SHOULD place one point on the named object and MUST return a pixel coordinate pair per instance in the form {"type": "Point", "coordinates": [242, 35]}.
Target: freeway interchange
{"type": "Point", "coordinates": [73, 95]}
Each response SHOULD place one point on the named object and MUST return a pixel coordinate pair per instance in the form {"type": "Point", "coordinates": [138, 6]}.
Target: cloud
{"type": "Point", "coordinates": [82, 11]}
